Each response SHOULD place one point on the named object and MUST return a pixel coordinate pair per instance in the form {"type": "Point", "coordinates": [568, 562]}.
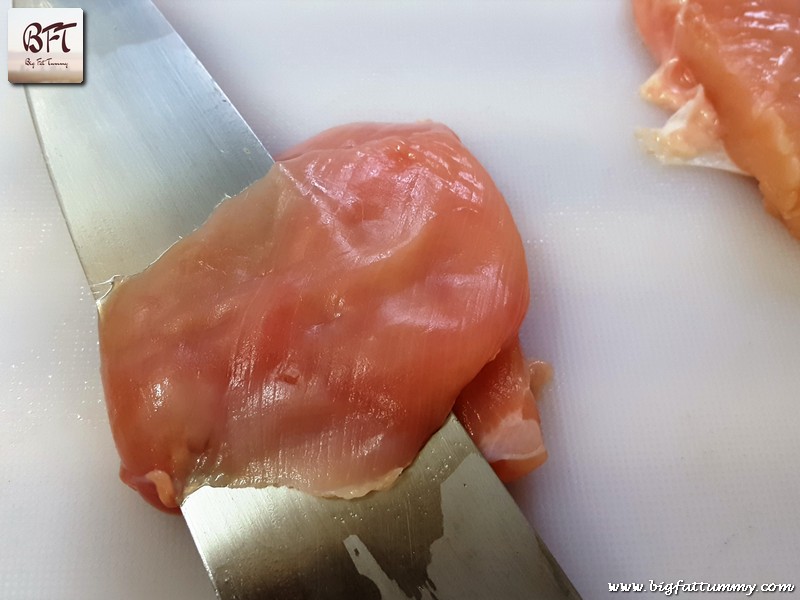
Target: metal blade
{"type": "Point", "coordinates": [140, 154]}
{"type": "Point", "coordinates": [447, 530]}
{"type": "Point", "coordinates": [143, 150]}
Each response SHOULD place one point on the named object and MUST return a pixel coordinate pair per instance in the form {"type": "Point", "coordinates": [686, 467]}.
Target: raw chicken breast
{"type": "Point", "coordinates": [732, 71]}
{"type": "Point", "coordinates": [318, 328]}
{"type": "Point", "coordinates": [498, 409]}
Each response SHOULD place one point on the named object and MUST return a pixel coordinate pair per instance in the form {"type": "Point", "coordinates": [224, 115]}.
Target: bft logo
{"type": "Point", "coordinates": [45, 45]}
{"type": "Point", "coordinates": [32, 36]}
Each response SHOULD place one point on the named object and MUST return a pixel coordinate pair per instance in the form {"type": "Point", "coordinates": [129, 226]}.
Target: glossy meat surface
{"type": "Point", "coordinates": [743, 58]}
{"type": "Point", "coordinates": [317, 329]}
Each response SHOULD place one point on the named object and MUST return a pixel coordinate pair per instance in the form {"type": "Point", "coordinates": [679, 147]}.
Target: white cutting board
{"type": "Point", "coordinates": [667, 301]}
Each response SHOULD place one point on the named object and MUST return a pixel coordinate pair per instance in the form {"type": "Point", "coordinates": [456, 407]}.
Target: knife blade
{"type": "Point", "coordinates": [142, 153]}
{"type": "Point", "coordinates": [139, 155]}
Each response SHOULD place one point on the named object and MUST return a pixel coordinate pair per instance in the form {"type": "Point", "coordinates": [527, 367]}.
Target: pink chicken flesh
{"type": "Point", "coordinates": [320, 326]}
{"type": "Point", "coordinates": [730, 69]}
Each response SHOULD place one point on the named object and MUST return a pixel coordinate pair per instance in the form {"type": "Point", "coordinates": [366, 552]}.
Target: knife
{"type": "Point", "coordinates": [140, 155]}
